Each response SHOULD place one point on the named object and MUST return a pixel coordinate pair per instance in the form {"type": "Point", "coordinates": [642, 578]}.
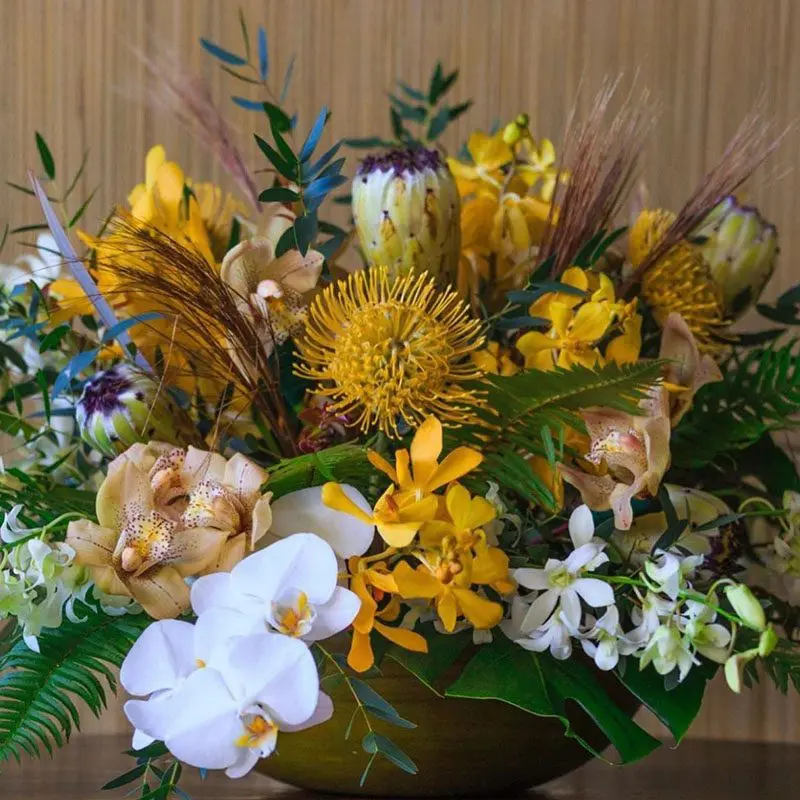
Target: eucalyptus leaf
{"type": "Point", "coordinates": [222, 54]}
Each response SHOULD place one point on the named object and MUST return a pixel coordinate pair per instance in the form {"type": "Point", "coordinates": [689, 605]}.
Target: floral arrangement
{"type": "Point", "coordinates": [243, 469]}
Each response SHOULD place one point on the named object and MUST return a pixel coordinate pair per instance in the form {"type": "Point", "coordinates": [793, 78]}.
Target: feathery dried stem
{"type": "Point", "coordinates": [600, 157]}
{"type": "Point", "coordinates": [221, 344]}
{"type": "Point", "coordinates": [751, 144]}
{"type": "Point", "coordinates": [187, 97]}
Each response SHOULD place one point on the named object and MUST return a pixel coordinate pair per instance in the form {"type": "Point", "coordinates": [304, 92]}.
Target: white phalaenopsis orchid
{"type": "Point", "coordinates": [304, 512]}
{"type": "Point", "coordinates": [289, 587]}
{"type": "Point", "coordinates": [669, 573]}
{"type": "Point", "coordinates": [219, 702]}
{"type": "Point", "coordinates": [41, 268]}
{"type": "Point", "coordinates": [563, 582]}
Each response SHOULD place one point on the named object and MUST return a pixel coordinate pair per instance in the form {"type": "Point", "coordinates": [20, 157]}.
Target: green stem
{"type": "Point", "coordinates": [683, 594]}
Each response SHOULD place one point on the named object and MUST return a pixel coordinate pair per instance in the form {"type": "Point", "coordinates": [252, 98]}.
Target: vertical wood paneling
{"type": "Point", "coordinates": [67, 70]}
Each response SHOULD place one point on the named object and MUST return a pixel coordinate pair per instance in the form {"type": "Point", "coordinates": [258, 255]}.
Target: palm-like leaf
{"type": "Point", "coordinates": [38, 690]}
{"type": "Point", "coordinates": [522, 412]}
{"type": "Point", "coordinates": [759, 393]}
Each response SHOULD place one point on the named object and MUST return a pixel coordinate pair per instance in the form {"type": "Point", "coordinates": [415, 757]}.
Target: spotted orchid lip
{"type": "Point", "coordinates": [401, 161]}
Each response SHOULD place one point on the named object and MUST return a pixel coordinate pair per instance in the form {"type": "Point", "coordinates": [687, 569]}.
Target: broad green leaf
{"type": "Point", "coordinates": [677, 708]}
{"type": "Point", "coordinates": [443, 652]}
{"type": "Point", "coordinates": [539, 684]}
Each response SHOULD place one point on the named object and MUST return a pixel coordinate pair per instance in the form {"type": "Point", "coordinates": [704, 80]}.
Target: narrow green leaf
{"type": "Point", "coordinates": [245, 33]}
{"type": "Point", "coordinates": [376, 743]}
{"type": "Point", "coordinates": [82, 210]}
{"type": "Point", "coordinates": [278, 194]}
{"type": "Point", "coordinates": [263, 54]}
{"type": "Point", "coordinates": [314, 135]}
{"type": "Point", "coordinates": [288, 171]}
{"type": "Point", "coordinates": [287, 79]}
{"type": "Point", "coordinates": [221, 54]}
{"type": "Point", "coordinates": [46, 156]}
{"type": "Point", "coordinates": [76, 177]}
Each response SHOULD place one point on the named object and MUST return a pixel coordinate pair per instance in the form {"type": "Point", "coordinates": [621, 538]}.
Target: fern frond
{"type": "Point", "coordinates": [519, 407]}
{"type": "Point", "coordinates": [759, 393]}
{"type": "Point", "coordinates": [344, 463]}
{"type": "Point", "coordinates": [42, 498]}
{"type": "Point", "coordinates": [38, 690]}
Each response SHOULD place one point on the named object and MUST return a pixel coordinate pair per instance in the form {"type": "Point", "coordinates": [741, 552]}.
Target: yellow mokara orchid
{"type": "Point", "coordinates": [571, 340]}
{"type": "Point", "coordinates": [446, 580]}
{"type": "Point", "coordinates": [398, 516]}
{"type": "Point", "coordinates": [495, 359]}
{"type": "Point", "coordinates": [537, 166]}
{"type": "Point", "coordinates": [418, 471]}
{"type": "Point", "coordinates": [489, 155]}
{"type": "Point", "coordinates": [374, 584]}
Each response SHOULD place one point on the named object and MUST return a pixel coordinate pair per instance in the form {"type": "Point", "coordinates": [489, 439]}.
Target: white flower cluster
{"type": "Point", "coordinates": [220, 690]}
{"type": "Point", "coordinates": [39, 581]}
{"type": "Point", "coordinates": [670, 627]}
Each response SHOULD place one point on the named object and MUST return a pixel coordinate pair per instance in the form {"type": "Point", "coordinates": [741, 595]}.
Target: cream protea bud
{"type": "Point", "coordinates": [740, 247]}
{"type": "Point", "coordinates": [120, 406]}
{"type": "Point", "coordinates": [406, 210]}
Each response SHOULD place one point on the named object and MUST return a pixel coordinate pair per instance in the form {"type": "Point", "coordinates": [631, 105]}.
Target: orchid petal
{"type": "Point", "coordinates": [337, 513]}
{"type": "Point", "coordinates": [159, 658]}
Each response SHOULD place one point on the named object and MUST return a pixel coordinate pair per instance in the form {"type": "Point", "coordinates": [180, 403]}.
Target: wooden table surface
{"type": "Point", "coordinates": [698, 770]}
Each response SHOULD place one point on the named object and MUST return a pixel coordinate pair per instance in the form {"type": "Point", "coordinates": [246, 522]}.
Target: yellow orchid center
{"type": "Point", "coordinates": [260, 732]}
{"type": "Point", "coordinates": [292, 614]}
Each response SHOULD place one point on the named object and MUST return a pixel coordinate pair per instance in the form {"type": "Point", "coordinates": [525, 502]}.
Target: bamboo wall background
{"type": "Point", "coordinates": [67, 70]}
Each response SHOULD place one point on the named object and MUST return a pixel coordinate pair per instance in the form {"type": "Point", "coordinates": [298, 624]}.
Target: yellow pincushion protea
{"type": "Point", "coordinates": [390, 350]}
{"type": "Point", "coordinates": [680, 281]}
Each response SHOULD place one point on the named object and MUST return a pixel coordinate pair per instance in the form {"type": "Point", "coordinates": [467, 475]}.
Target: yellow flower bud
{"type": "Point", "coordinates": [512, 133]}
{"type": "Point", "coordinates": [406, 211]}
{"type": "Point", "coordinates": [746, 606]}
{"type": "Point", "coordinates": [741, 249]}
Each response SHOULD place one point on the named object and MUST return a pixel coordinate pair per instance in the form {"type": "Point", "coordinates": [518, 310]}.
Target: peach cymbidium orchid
{"type": "Point", "coordinates": [687, 369]}
{"type": "Point", "coordinates": [165, 515]}
{"type": "Point", "coordinates": [635, 451]}
{"type": "Point", "coordinates": [271, 291]}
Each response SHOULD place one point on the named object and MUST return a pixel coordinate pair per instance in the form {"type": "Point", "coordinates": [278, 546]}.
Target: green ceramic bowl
{"type": "Point", "coordinates": [461, 747]}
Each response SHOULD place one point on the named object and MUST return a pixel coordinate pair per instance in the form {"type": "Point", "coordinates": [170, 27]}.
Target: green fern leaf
{"type": "Point", "coordinates": [759, 393]}
{"type": "Point", "coordinates": [519, 407]}
{"type": "Point", "coordinates": [345, 463]}
{"type": "Point", "coordinates": [37, 690]}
